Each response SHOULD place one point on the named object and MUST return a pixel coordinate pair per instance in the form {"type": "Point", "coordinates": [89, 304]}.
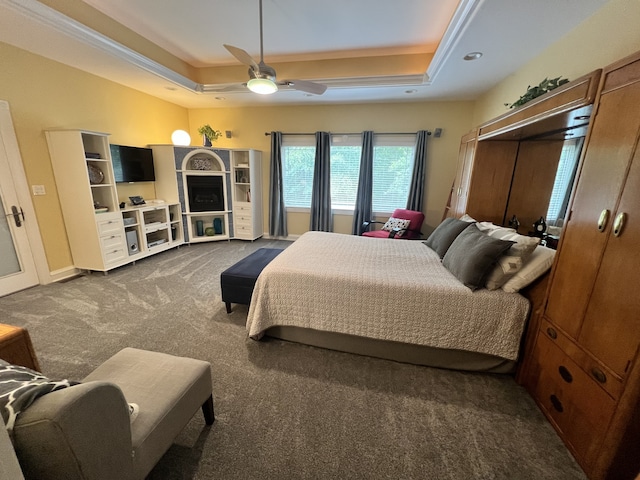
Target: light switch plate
{"type": "Point", "coordinates": [38, 190]}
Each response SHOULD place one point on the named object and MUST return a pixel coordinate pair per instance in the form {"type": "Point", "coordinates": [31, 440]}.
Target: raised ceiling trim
{"type": "Point", "coordinates": [457, 26]}
{"type": "Point", "coordinates": [77, 31]}
{"type": "Point", "coordinates": [71, 28]}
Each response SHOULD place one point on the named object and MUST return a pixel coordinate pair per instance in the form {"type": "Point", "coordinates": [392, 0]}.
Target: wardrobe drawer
{"type": "Point", "coordinates": [604, 377]}
{"type": "Point", "coordinates": [572, 400]}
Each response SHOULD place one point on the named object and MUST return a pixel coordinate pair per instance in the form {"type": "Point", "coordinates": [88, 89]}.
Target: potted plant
{"type": "Point", "coordinates": [209, 135]}
{"type": "Point", "coordinates": [543, 87]}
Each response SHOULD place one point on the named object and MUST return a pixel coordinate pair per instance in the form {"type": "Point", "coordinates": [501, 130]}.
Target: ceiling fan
{"type": "Point", "coordinates": [262, 77]}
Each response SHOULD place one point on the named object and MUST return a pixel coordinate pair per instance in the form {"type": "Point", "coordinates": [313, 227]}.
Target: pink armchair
{"type": "Point", "coordinates": [389, 230]}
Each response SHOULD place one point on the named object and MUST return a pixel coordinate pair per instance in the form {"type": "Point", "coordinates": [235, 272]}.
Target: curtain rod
{"type": "Point", "coordinates": [358, 133]}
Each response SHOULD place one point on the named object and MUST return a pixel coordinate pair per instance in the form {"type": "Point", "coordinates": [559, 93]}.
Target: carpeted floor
{"type": "Point", "coordinates": [284, 410]}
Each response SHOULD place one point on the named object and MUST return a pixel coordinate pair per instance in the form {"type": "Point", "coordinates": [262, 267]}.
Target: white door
{"type": "Point", "coordinates": [17, 267]}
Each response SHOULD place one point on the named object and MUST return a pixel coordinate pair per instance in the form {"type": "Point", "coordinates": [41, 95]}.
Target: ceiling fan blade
{"type": "Point", "coordinates": [214, 88]}
{"type": "Point", "coordinates": [305, 86]}
{"type": "Point", "coordinates": [243, 56]}
{"type": "Point", "coordinates": [237, 87]}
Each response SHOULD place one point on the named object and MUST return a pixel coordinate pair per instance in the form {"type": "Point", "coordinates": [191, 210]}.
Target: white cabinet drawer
{"type": "Point", "coordinates": [244, 208]}
{"type": "Point", "coordinates": [115, 255]}
{"type": "Point", "coordinates": [111, 242]}
{"type": "Point", "coordinates": [242, 219]}
{"type": "Point", "coordinates": [243, 230]}
{"type": "Point", "coordinates": [109, 225]}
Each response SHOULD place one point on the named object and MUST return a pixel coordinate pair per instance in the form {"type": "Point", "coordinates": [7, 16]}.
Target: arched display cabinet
{"type": "Point", "coordinates": [219, 190]}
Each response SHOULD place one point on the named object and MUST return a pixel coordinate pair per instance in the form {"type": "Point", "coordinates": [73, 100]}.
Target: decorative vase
{"type": "Point", "coordinates": [205, 141]}
{"type": "Point", "coordinates": [200, 227]}
{"type": "Point", "coordinates": [217, 226]}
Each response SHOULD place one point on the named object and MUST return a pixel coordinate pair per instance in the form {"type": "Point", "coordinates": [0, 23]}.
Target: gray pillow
{"type": "Point", "coordinates": [472, 256]}
{"type": "Point", "coordinates": [444, 235]}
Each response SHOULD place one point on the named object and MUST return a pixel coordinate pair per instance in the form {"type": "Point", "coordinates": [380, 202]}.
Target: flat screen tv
{"type": "Point", "coordinates": [132, 164]}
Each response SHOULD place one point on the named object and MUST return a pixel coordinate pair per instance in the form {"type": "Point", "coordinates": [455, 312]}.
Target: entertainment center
{"type": "Point", "coordinates": [102, 236]}
{"type": "Point", "coordinates": [204, 193]}
{"type": "Point", "coordinates": [220, 190]}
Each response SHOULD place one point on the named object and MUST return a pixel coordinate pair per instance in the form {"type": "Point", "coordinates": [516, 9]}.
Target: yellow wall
{"type": "Point", "coordinates": [249, 125]}
{"type": "Point", "coordinates": [607, 36]}
{"type": "Point", "coordinates": [44, 94]}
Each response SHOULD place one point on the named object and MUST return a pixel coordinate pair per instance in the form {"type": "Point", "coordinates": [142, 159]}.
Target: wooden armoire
{"type": "Point", "coordinates": [584, 370]}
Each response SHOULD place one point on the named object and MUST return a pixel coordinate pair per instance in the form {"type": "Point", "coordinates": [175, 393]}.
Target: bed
{"type": "Point", "coordinates": [385, 298]}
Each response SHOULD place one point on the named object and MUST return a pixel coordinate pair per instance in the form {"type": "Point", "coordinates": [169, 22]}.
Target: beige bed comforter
{"type": "Point", "coordinates": [383, 289]}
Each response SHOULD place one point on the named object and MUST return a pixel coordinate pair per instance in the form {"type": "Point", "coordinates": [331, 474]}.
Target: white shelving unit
{"type": "Point", "coordinates": [241, 173]}
{"type": "Point", "coordinates": [101, 235]}
{"type": "Point", "coordinates": [246, 177]}
{"type": "Point", "coordinates": [151, 229]}
{"type": "Point", "coordinates": [188, 165]}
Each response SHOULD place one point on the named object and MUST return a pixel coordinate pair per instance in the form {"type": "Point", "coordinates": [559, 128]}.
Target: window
{"type": "Point", "coordinates": [564, 180]}
{"type": "Point", "coordinates": [345, 170]}
{"type": "Point", "coordinates": [298, 154]}
{"type": "Point", "coordinates": [393, 157]}
{"type": "Point", "coordinates": [392, 169]}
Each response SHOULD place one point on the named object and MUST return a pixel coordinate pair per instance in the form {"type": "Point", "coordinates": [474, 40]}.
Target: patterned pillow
{"type": "Point", "coordinates": [537, 264]}
{"type": "Point", "coordinates": [513, 259]}
{"type": "Point", "coordinates": [20, 387]}
{"type": "Point", "coordinates": [396, 223]}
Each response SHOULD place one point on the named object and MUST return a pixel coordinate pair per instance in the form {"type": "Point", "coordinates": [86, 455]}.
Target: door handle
{"type": "Point", "coordinates": [16, 215]}
{"type": "Point", "coordinates": [602, 221]}
{"type": "Point", "coordinates": [618, 224]}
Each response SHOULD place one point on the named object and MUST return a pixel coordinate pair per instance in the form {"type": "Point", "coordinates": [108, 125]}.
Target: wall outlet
{"type": "Point", "coordinates": [38, 190]}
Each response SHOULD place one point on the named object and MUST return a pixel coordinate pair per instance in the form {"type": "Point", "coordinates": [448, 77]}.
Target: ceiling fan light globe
{"type": "Point", "coordinates": [263, 86]}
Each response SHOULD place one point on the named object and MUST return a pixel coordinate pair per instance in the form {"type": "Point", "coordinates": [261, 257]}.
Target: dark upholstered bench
{"type": "Point", "coordinates": [238, 280]}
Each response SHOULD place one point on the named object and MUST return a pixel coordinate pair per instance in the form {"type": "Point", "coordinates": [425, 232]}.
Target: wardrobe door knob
{"type": "Point", "coordinates": [602, 221]}
{"type": "Point", "coordinates": [552, 333]}
{"type": "Point", "coordinates": [618, 224]}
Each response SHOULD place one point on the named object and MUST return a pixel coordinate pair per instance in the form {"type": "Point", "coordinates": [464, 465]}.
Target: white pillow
{"type": "Point", "coordinates": [396, 223]}
{"type": "Point", "coordinates": [467, 218]}
{"type": "Point", "coordinates": [538, 263]}
{"type": "Point", "coordinates": [488, 227]}
{"type": "Point", "coordinates": [510, 234]}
